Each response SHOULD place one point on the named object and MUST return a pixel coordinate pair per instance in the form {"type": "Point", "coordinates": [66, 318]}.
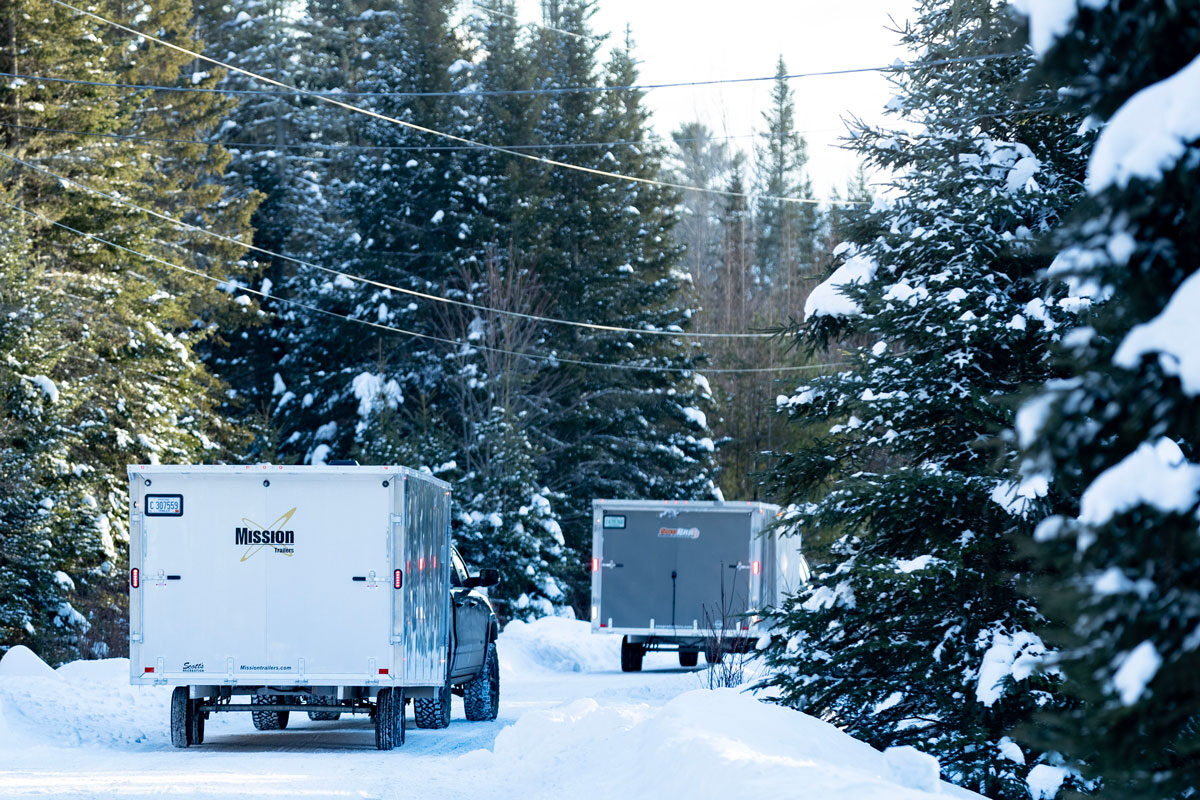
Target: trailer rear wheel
{"type": "Point", "coordinates": [268, 720]}
{"type": "Point", "coordinates": [433, 712]}
{"type": "Point", "coordinates": [196, 730]}
{"type": "Point", "coordinates": [389, 719]}
{"type": "Point", "coordinates": [182, 716]}
{"type": "Point", "coordinates": [631, 655]}
{"type": "Point", "coordinates": [689, 658]}
{"type": "Point", "coordinates": [481, 695]}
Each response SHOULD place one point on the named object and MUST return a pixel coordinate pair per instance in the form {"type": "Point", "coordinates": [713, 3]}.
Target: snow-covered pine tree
{"type": "Point", "coordinates": [788, 232]}
{"type": "Point", "coordinates": [604, 252]}
{"type": "Point", "coordinates": [116, 350]}
{"type": "Point", "coordinates": [918, 632]}
{"type": "Point", "coordinates": [1120, 434]}
{"type": "Point", "coordinates": [29, 592]}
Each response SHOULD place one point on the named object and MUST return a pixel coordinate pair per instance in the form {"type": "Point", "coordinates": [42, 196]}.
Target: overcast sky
{"type": "Point", "coordinates": [688, 40]}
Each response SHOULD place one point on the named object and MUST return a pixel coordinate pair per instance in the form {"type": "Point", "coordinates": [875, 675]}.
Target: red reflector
{"type": "Point", "coordinates": [755, 568]}
{"type": "Point", "coordinates": [135, 577]}
{"type": "Point", "coordinates": [603, 624]}
{"type": "Point", "coordinates": [149, 669]}
{"type": "Point", "coordinates": [745, 627]}
{"type": "Point", "coordinates": [595, 565]}
{"type": "Point", "coordinates": [397, 579]}
{"type": "Point", "coordinates": [383, 672]}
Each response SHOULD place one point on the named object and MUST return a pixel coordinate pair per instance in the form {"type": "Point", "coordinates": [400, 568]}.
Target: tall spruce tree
{"type": "Point", "coordinates": [787, 241]}
{"type": "Point", "coordinates": [115, 347]}
{"type": "Point", "coordinates": [1120, 434]}
{"type": "Point", "coordinates": [918, 632]}
{"type": "Point", "coordinates": [604, 253]}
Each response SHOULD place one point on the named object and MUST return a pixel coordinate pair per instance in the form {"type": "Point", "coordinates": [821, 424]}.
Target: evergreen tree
{"type": "Point", "coordinates": [1119, 435]}
{"type": "Point", "coordinates": [787, 241]}
{"type": "Point", "coordinates": [116, 349]}
{"type": "Point", "coordinates": [604, 252]}
{"type": "Point", "coordinates": [918, 632]}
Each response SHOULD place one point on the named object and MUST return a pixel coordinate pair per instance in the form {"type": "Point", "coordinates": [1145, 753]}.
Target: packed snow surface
{"type": "Point", "coordinates": [571, 725]}
{"type": "Point", "coordinates": [1174, 335]}
{"type": "Point", "coordinates": [1149, 133]}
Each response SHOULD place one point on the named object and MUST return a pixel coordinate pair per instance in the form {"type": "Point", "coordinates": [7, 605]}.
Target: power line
{"type": "Point", "coordinates": [553, 90]}
{"type": "Point", "coordinates": [370, 282]}
{"type": "Point", "coordinates": [461, 140]}
{"type": "Point", "coordinates": [404, 147]}
{"type": "Point", "coordinates": [537, 24]}
{"type": "Point", "coordinates": [392, 329]}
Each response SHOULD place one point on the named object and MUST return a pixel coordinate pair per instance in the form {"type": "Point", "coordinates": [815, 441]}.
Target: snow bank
{"type": "Point", "coordinates": [827, 299]}
{"type": "Point", "coordinates": [21, 662]}
{"type": "Point", "coordinates": [81, 703]}
{"type": "Point", "coordinates": [1149, 133]}
{"type": "Point", "coordinates": [556, 644]}
{"type": "Point", "coordinates": [702, 744]}
{"type": "Point", "coordinates": [1174, 334]}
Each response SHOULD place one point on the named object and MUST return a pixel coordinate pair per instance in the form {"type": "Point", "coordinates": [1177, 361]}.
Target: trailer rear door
{"type": "Point", "coordinates": [309, 594]}
{"type": "Point", "coordinates": [678, 568]}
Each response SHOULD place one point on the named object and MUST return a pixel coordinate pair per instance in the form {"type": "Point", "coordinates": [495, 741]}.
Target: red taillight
{"type": "Point", "coordinates": [595, 565]}
{"type": "Point", "coordinates": [755, 568]}
{"type": "Point", "coordinates": [135, 577]}
{"type": "Point", "coordinates": [745, 627]}
{"type": "Point", "coordinates": [421, 563]}
{"type": "Point", "coordinates": [383, 672]}
{"type": "Point", "coordinates": [397, 579]}
{"type": "Point", "coordinates": [149, 669]}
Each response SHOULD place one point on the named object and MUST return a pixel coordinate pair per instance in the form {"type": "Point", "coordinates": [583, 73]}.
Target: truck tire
{"type": "Point", "coordinates": [182, 712]}
{"type": "Point", "coordinates": [196, 729]}
{"type": "Point", "coordinates": [323, 716]}
{"type": "Point", "coordinates": [389, 719]}
{"type": "Point", "coordinates": [481, 695]}
{"type": "Point", "coordinates": [268, 720]}
{"type": "Point", "coordinates": [631, 655]}
{"type": "Point", "coordinates": [689, 658]}
{"type": "Point", "coordinates": [433, 712]}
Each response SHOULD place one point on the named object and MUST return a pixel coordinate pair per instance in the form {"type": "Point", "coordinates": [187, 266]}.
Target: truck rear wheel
{"type": "Point", "coordinates": [182, 717]}
{"type": "Point", "coordinates": [389, 719]}
{"type": "Point", "coordinates": [481, 695]}
{"type": "Point", "coordinates": [631, 655]}
{"type": "Point", "coordinates": [268, 720]}
{"type": "Point", "coordinates": [689, 658]}
{"type": "Point", "coordinates": [323, 716]}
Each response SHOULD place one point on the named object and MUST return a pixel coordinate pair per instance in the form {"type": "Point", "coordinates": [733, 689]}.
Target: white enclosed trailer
{"type": "Point", "coordinates": [683, 575]}
{"type": "Point", "coordinates": [290, 588]}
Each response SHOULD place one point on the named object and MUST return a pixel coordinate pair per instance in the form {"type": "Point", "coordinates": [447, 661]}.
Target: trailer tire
{"type": "Point", "coordinates": [689, 658]}
{"type": "Point", "coordinates": [631, 655]}
{"type": "Point", "coordinates": [268, 720]}
{"type": "Point", "coordinates": [389, 719]}
{"type": "Point", "coordinates": [323, 716]}
{"type": "Point", "coordinates": [182, 712]}
{"type": "Point", "coordinates": [481, 694]}
{"type": "Point", "coordinates": [433, 712]}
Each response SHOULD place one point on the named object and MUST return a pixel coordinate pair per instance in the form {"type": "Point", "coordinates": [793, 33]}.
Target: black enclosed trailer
{"type": "Point", "coordinates": [678, 575]}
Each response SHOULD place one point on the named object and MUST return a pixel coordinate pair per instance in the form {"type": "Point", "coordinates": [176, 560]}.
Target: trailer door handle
{"type": "Point", "coordinates": [610, 564]}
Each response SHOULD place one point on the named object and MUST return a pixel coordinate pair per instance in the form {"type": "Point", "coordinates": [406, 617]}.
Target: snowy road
{"type": "Point", "coordinates": [571, 724]}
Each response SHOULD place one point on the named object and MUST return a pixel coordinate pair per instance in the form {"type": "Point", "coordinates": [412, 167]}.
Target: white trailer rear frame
{"type": "Point", "coordinates": [302, 580]}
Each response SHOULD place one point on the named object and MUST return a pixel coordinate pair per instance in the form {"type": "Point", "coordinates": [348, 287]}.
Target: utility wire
{"type": "Point", "coordinates": [536, 24]}
{"type": "Point", "coordinates": [406, 147]}
{"type": "Point", "coordinates": [369, 282]}
{"type": "Point", "coordinates": [392, 329]}
{"type": "Point", "coordinates": [552, 90]}
{"type": "Point", "coordinates": [461, 140]}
